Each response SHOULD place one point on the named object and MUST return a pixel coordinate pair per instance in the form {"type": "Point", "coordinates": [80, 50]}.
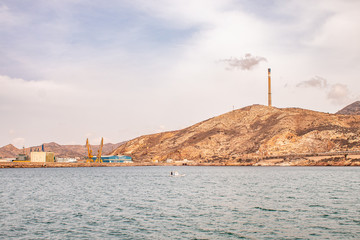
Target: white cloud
{"type": "Point", "coordinates": [246, 63]}
{"type": "Point", "coordinates": [338, 94]}
{"type": "Point", "coordinates": [317, 82]}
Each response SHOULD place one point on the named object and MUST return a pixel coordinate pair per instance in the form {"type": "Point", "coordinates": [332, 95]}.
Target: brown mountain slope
{"type": "Point", "coordinates": [352, 109]}
{"type": "Point", "coordinates": [9, 151]}
{"type": "Point", "coordinates": [254, 131]}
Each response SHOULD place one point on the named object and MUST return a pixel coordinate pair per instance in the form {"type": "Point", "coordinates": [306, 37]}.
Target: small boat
{"type": "Point", "coordinates": [176, 174]}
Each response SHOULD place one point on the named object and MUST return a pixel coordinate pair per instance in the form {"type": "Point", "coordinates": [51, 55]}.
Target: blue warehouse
{"type": "Point", "coordinates": [115, 158]}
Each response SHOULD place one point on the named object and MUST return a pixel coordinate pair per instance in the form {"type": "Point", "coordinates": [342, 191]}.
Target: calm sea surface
{"type": "Point", "coordinates": [206, 203]}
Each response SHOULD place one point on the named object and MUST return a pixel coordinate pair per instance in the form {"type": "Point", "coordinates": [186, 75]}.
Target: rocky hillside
{"type": "Point", "coordinates": [10, 151]}
{"type": "Point", "coordinates": [252, 132]}
{"type": "Point", "coordinates": [352, 109]}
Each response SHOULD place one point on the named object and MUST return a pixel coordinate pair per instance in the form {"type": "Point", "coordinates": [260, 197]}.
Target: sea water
{"type": "Point", "coordinates": [205, 203]}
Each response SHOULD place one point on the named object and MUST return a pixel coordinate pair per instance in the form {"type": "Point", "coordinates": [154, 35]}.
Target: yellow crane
{"type": "Point", "coordinates": [90, 156]}
{"type": "Point", "coordinates": [98, 159]}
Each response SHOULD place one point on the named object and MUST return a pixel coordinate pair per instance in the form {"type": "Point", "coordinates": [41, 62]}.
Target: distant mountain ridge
{"type": "Point", "coordinates": [352, 109]}
{"type": "Point", "coordinates": [10, 151]}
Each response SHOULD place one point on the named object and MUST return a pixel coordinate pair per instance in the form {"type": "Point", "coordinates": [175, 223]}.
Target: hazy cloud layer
{"type": "Point", "coordinates": [246, 63]}
{"type": "Point", "coordinates": [74, 67]}
{"type": "Point", "coordinates": [317, 82]}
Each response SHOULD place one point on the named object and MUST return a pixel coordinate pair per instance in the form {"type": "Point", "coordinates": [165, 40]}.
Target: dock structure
{"type": "Point", "coordinates": [115, 159]}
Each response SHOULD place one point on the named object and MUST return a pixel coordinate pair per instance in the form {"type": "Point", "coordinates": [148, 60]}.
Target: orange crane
{"type": "Point", "coordinates": [90, 156]}
{"type": "Point", "coordinates": [98, 159]}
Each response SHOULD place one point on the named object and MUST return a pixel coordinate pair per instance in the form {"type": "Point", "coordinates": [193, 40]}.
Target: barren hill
{"type": "Point", "coordinates": [352, 109]}
{"type": "Point", "coordinates": [9, 151]}
{"type": "Point", "coordinates": [250, 132]}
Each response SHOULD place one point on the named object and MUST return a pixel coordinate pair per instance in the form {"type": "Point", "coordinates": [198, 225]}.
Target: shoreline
{"type": "Point", "coordinates": [262, 163]}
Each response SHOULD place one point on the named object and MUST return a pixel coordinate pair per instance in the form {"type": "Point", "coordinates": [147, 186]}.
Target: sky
{"type": "Point", "coordinates": [119, 69]}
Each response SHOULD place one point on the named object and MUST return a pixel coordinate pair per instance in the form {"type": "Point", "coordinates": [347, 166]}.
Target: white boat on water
{"type": "Point", "coordinates": [176, 174]}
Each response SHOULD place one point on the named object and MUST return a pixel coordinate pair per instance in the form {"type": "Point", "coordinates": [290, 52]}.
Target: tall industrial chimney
{"type": "Point", "coordinates": [269, 87]}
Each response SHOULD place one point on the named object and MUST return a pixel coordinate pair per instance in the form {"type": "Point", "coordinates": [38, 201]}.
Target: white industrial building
{"type": "Point", "coordinates": [42, 157]}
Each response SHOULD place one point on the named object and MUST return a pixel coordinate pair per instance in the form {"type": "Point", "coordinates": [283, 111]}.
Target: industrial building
{"type": "Point", "coordinates": [42, 157]}
{"type": "Point", "coordinates": [22, 158]}
{"type": "Point", "coordinates": [115, 158]}
{"type": "Point", "coordinates": [59, 159]}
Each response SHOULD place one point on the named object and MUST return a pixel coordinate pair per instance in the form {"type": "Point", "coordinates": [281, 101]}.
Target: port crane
{"type": "Point", "coordinates": [90, 156]}
{"type": "Point", "coordinates": [98, 159]}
